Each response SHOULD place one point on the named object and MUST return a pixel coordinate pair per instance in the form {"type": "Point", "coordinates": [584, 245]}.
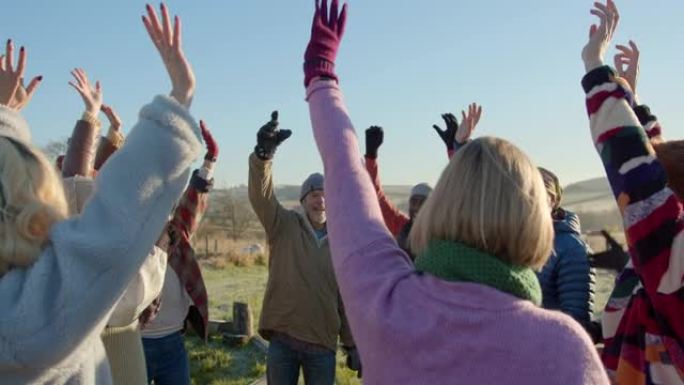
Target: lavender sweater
{"type": "Point", "coordinates": [417, 329]}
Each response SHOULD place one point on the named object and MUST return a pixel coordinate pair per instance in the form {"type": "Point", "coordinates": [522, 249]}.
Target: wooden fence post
{"type": "Point", "coordinates": [242, 319]}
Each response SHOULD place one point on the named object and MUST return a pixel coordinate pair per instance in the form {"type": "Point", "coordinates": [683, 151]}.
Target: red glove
{"type": "Point", "coordinates": [326, 34]}
{"type": "Point", "coordinates": [212, 147]}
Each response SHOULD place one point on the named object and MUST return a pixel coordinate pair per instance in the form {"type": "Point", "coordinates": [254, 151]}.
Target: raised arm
{"type": "Point", "coordinates": [456, 136]}
{"type": "Point", "coordinates": [69, 291]}
{"type": "Point", "coordinates": [355, 221]}
{"type": "Point", "coordinates": [260, 185]}
{"type": "Point", "coordinates": [652, 214]}
{"type": "Point", "coordinates": [113, 141]}
{"type": "Point", "coordinates": [78, 159]}
{"type": "Point", "coordinates": [627, 67]}
{"type": "Point", "coordinates": [193, 204]}
{"type": "Point", "coordinates": [395, 220]}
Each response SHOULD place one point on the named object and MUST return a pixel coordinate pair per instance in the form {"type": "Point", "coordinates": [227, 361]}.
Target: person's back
{"type": "Point", "coordinates": [442, 332]}
{"type": "Point", "coordinates": [468, 311]}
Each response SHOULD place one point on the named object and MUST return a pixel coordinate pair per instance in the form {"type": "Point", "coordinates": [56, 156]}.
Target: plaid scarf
{"type": "Point", "coordinates": [182, 258]}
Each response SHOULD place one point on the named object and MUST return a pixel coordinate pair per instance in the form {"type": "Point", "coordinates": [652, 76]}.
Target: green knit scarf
{"type": "Point", "coordinates": [457, 262]}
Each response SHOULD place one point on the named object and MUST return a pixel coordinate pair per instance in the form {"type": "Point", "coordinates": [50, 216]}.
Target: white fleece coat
{"type": "Point", "coordinates": [52, 313]}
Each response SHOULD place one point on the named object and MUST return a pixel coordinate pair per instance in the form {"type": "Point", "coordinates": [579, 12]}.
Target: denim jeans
{"type": "Point", "coordinates": [167, 360]}
{"type": "Point", "coordinates": [283, 364]}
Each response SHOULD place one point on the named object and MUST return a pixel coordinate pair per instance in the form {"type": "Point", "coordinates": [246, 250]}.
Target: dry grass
{"type": "Point", "coordinates": [220, 253]}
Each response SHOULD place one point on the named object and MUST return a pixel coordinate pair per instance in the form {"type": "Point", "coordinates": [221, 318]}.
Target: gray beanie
{"type": "Point", "coordinates": [313, 182]}
{"type": "Point", "coordinates": [421, 189]}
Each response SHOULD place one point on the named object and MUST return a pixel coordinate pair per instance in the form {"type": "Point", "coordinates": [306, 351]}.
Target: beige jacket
{"type": "Point", "coordinates": [302, 298]}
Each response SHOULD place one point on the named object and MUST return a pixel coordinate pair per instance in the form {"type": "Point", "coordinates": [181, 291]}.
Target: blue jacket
{"type": "Point", "coordinates": [567, 280]}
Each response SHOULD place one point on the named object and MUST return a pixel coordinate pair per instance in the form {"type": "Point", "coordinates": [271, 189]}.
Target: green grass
{"type": "Point", "coordinates": [234, 284]}
{"type": "Point", "coordinates": [216, 364]}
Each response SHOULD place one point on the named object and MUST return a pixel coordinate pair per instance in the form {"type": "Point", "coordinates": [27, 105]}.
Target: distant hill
{"type": "Point", "coordinates": [589, 195]}
{"type": "Point", "coordinates": [591, 199]}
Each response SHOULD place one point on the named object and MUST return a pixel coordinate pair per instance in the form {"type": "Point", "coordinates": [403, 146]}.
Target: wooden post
{"type": "Point", "coordinates": [215, 246]}
{"type": "Point", "coordinates": [242, 319]}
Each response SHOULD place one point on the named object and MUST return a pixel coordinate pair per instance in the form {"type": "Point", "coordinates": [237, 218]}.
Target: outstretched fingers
{"type": "Point", "coordinates": [33, 86]}
{"type": "Point", "coordinates": [166, 22]}
{"type": "Point", "coordinates": [177, 41]}
{"type": "Point", "coordinates": [9, 56]}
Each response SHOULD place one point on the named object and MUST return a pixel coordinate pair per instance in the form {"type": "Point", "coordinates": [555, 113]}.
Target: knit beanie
{"type": "Point", "coordinates": [312, 183]}
{"type": "Point", "coordinates": [553, 187]}
{"type": "Point", "coordinates": [421, 189]}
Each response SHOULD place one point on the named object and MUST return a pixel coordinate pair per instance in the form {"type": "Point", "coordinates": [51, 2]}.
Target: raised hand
{"type": "Point", "coordinates": [326, 34]}
{"type": "Point", "coordinates": [600, 36]}
{"type": "Point", "coordinates": [13, 93]}
{"type": "Point", "coordinates": [627, 64]}
{"type": "Point", "coordinates": [270, 137]}
{"type": "Point", "coordinates": [468, 123]}
{"type": "Point", "coordinates": [374, 139]}
{"type": "Point", "coordinates": [112, 116]}
{"type": "Point", "coordinates": [92, 97]}
{"type": "Point", "coordinates": [169, 44]}
{"type": "Point", "coordinates": [448, 136]}
{"type": "Point", "coordinates": [212, 147]}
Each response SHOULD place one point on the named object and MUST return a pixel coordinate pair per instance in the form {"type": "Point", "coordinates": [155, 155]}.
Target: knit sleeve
{"type": "Point", "coordinates": [652, 214]}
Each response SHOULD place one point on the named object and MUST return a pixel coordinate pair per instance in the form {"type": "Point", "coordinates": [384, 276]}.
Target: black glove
{"type": "Point", "coordinates": [374, 137]}
{"type": "Point", "coordinates": [449, 135]}
{"type": "Point", "coordinates": [354, 360]}
{"type": "Point", "coordinates": [269, 138]}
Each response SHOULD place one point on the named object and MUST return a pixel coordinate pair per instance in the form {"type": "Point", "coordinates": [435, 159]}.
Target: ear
{"type": "Point", "coordinates": [40, 224]}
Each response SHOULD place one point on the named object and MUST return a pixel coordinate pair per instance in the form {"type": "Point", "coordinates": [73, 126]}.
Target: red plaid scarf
{"type": "Point", "coordinates": [182, 259]}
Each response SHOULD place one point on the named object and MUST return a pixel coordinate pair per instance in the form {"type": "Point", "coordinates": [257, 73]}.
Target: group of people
{"type": "Point", "coordinates": [485, 280]}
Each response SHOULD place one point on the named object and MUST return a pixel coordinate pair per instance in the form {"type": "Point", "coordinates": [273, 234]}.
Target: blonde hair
{"type": "Point", "coordinates": [31, 201]}
{"type": "Point", "coordinates": [492, 198]}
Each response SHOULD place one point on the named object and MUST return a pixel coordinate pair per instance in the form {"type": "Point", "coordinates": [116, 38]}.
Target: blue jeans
{"type": "Point", "coordinates": [283, 364]}
{"type": "Point", "coordinates": [167, 360]}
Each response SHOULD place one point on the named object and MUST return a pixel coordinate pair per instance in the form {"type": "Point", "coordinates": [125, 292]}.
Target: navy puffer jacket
{"type": "Point", "coordinates": [567, 280]}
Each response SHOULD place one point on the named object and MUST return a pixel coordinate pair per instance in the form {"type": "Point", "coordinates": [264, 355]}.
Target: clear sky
{"type": "Point", "coordinates": [401, 64]}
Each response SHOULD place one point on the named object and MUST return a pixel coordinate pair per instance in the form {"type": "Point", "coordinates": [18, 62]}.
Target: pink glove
{"type": "Point", "coordinates": [212, 147]}
{"type": "Point", "coordinates": [326, 34]}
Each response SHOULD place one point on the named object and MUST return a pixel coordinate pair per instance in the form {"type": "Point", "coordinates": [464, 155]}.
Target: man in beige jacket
{"type": "Point", "coordinates": [302, 314]}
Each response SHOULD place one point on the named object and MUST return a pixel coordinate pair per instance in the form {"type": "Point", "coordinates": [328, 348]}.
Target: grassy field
{"type": "Point", "coordinates": [216, 364]}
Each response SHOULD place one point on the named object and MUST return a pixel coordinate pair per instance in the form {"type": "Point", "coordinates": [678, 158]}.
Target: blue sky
{"type": "Point", "coordinates": [401, 64]}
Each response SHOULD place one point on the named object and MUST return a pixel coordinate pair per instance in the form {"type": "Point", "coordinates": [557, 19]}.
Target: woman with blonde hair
{"type": "Point", "coordinates": [59, 279]}
{"type": "Point", "coordinates": [468, 312]}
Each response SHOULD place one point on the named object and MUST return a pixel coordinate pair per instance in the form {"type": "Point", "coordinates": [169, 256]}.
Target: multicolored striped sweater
{"type": "Point", "coordinates": [643, 323]}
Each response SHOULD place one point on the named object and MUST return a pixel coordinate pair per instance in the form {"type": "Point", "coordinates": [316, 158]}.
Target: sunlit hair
{"type": "Point", "coordinates": [31, 201]}
{"type": "Point", "coordinates": [492, 198]}
{"type": "Point", "coordinates": [671, 156]}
